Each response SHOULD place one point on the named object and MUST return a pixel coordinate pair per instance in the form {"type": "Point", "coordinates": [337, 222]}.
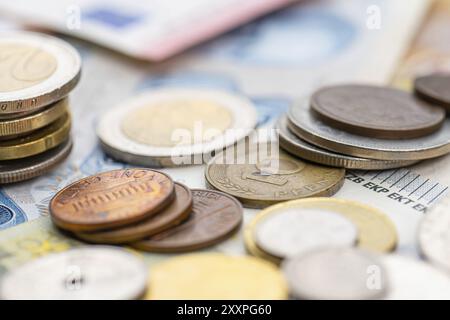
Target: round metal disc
{"type": "Point", "coordinates": [434, 88]}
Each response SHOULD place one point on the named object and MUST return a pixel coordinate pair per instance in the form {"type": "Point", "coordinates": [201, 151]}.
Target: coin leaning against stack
{"type": "Point", "coordinates": [37, 73]}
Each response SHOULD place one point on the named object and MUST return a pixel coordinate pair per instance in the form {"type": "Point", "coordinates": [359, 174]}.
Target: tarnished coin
{"type": "Point", "coordinates": [167, 127]}
{"type": "Point", "coordinates": [215, 216]}
{"type": "Point", "coordinates": [38, 141]}
{"type": "Point", "coordinates": [308, 127]}
{"type": "Point", "coordinates": [171, 216]}
{"type": "Point", "coordinates": [28, 168]}
{"type": "Point", "coordinates": [337, 273]}
{"type": "Point", "coordinates": [85, 273]}
{"type": "Point", "coordinates": [35, 71]}
{"type": "Point", "coordinates": [111, 199]}
{"type": "Point", "coordinates": [376, 112]}
{"type": "Point", "coordinates": [300, 148]}
{"type": "Point", "coordinates": [216, 276]}
{"type": "Point", "coordinates": [434, 88]}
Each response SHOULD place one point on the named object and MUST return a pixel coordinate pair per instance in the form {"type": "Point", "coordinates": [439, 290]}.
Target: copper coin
{"type": "Point", "coordinates": [215, 216]}
{"type": "Point", "coordinates": [434, 88]}
{"type": "Point", "coordinates": [377, 112]}
{"type": "Point", "coordinates": [111, 199]}
{"type": "Point", "coordinates": [178, 211]}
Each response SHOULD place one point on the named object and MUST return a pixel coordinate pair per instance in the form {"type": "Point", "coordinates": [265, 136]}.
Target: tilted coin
{"type": "Point", "coordinates": [434, 88]}
{"type": "Point", "coordinates": [337, 273]}
{"type": "Point", "coordinates": [111, 199]}
{"type": "Point", "coordinates": [300, 148]}
{"type": "Point", "coordinates": [14, 171]}
{"type": "Point", "coordinates": [35, 71]}
{"type": "Point", "coordinates": [215, 216]}
{"type": "Point", "coordinates": [84, 273]}
{"type": "Point", "coordinates": [216, 276]}
{"type": "Point", "coordinates": [376, 112]}
{"type": "Point", "coordinates": [38, 141]}
{"type": "Point", "coordinates": [261, 180]}
{"type": "Point", "coordinates": [171, 216]}
{"type": "Point", "coordinates": [167, 127]}
{"type": "Point", "coordinates": [308, 127]}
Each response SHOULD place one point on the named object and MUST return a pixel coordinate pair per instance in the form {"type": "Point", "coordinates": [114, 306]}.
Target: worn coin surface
{"type": "Point", "coordinates": [100, 272]}
{"type": "Point", "coordinates": [35, 71]}
{"type": "Point", "coordinates": [335, 273]}
{"type": "Point", "coordinates": [14, 171]}
{"type": "Point", "coordinates": [434, 88]}
{"type": "Point", "coordinates": [178, 211]}
{"type": "Point", "coordinates": [111, 199]}
{"type": "Point", "coordinates": [215, 216]}
{"type": "Point", "coordinates": [262, 180]}
{"type": "Point", "coordinates": [377, 112]}
{"type": "Point", "coordinates": [216, 276]}
{"type": "Point", "coordinates": [310, 128]}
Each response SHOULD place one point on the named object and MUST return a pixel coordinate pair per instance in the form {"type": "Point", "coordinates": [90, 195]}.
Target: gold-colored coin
{"type": "Point", "coordinates": [376, 231]}
{"type": "Point", "coordinates": [216, 276]}
{"type": "Point", "coordinates": [38, 141]}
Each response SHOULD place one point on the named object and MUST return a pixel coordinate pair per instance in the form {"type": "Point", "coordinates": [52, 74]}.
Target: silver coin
{"type": "Point", "coordinates": [338, 273]}
{"type": "Point", "coordinates": [95, 272]}
{"type": "Point", "coordinates": [434, 234]}
{"type": "Point", "coordinates": [300, 148]}
{"type": "Point", "coordinates": [291, 232]}
{"type": "Point", "coordinates": [411, 279]}
{"type": "Point", "coordinates": [308, 127]}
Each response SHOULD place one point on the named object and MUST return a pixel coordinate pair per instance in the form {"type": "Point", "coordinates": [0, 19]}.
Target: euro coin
{"type": "Point", "coordinates": [434, 88]}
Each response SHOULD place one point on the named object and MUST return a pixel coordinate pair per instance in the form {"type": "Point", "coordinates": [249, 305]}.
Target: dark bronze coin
{"type": "Point", "coordinates": [378, 112]}
{"type": "Point", "coordinates": [215, 216]}
{"type": "Point", "coordinates": [434, 88]}
{"type": "Point", "coordinates": [178, 211]}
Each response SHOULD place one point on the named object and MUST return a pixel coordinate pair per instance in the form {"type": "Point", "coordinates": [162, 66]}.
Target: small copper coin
{"type": "Point", "coordinates": [434, 88]}
{"type": "Point", "coordinates": [178, 211]}
{"type": "Point", "coordinates": [215, 216]}
{"type": "Point", "coordinates": [111, 199]}
{"type": "Point", "coordinates": [378, 112]}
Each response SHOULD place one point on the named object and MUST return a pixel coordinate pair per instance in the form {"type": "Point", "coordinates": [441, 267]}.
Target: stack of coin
{"type": "Point", "coordinates": [37, 74]}
{"type": "Point", "coordinates": [145, 209]}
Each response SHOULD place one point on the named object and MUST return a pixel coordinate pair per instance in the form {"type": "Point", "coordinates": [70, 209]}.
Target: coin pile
{"type": "Point", "coordinates": [37, 72]}
{"type": "Point", "coordinates": [145, 209]}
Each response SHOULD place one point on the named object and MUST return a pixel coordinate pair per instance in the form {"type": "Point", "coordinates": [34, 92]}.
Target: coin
{"type": "Point", "coordinates": [111, 199]}
{"type": "Point", "coordinates": [215, 216]}
{"type": "Point", "coordinates": [262, 180]}
{"type": "Point", "coordinates": [35, 71]}
{"type": "Point", "coordinates": [308, 127]}
{"type": "Point", "coordinates": [167, 127]}
{"type": "Point", "coordinates": [300, 148]}
{"type": "Point", "coordinates": [28, 168]}
{"type": "Point", "coordinates": [337, 273]}
{"type": "Point", "coordinates": [216, 276]}
{"type": "Point", "coordinates": [178, 211]}
{"type": "Point", "coordinates": [434, 234]}
{"type": "Point", "coordinates": [434, 88]}
{"type": "Point", "coordinates": [291, 232]}
{"type": "Point", "coordinates": [100, 272]}
{"type": "Point", "coordinates": [38, 141]}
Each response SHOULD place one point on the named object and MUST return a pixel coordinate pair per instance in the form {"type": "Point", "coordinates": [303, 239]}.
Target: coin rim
{"type": "Point", "coordinates": [421, 90]}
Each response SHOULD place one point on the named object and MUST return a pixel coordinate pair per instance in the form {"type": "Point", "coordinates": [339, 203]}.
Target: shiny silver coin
{"type": "Point", "coordinates": [96, 272]}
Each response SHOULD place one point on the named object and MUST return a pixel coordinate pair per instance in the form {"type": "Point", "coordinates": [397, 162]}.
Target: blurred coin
{"type": "Point", "coordinates": [216, 276]}
{"type": "Point", "coordinates": [300, 148]}
{"type": "Point", "coordinates": [111, 199]}
{"type": "Point", "coordinates": [337, 273]}
{"type": "Point", "coordinates": [171, 216]}
{"type": "Point", "coordinates": [167, 127]}
{"type": "Point", "coordinates": [376, 112]}
{"type": "Point", "coordinates": [38, 141]}
{"type": "Point", "coordinates": [434, 88]}
{"type": "Point", "coordinates": [259, 180]}
{"type": "Point", "coordinates": [308, 127]}
{"type": "Point", "coordinates": [35, 71]}
{"type": "Point", "coordinates": [27, 168]}
{"type": "Point", "coordinates": [215, 216]}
